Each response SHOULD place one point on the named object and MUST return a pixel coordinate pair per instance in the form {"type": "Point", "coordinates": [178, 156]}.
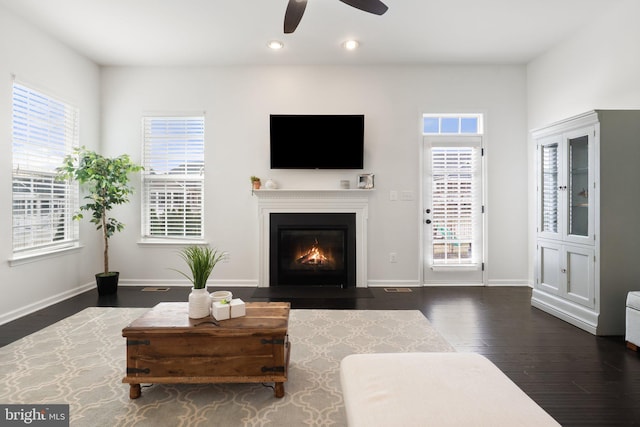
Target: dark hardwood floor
{"type": "Point", "coordinates": [580, 379]}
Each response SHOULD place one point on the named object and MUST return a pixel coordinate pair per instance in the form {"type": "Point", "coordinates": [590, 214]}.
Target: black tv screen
{"type": "Point", "coordinates": [317, 141]}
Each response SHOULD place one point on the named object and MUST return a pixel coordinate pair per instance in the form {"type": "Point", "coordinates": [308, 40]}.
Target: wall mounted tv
{"type": "Point", "coordinates": [317, 141]}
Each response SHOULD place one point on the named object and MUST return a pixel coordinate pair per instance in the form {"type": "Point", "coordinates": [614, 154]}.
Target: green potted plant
{"type": "Point", "coordinates": [255, 182]}
{"type": "Point", "coordinates": [201, 262]}
{"type": "Point", "coordinates": [107, 183]}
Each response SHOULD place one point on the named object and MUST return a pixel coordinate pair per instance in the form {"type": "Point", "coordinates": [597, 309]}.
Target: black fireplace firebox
{"type": "Point", "coordinates": [312, 249]}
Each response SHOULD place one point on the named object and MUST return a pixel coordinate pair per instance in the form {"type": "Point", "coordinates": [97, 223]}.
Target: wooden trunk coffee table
{"type": "Point", "coordinates": [166, 346]}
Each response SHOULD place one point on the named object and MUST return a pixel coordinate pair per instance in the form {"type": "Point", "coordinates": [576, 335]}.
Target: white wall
{"type": "Point", "coordinates": [238, 101]}
{"type": "Point", "coordinates": [44, 64]}
{"type": "Point", "coordinates": [597, 68]}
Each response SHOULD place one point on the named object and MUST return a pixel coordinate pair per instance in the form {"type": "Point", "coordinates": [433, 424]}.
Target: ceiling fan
{"type": "Point", "coordinates": [295, 10]}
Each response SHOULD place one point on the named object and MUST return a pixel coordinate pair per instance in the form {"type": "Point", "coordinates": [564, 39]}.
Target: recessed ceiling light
{"type": "Point", "coordinates": [351, 44]}
{"type": "Point", "coordinates": [275, 44]}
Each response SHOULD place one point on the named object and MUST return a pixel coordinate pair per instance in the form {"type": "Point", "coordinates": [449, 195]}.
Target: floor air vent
{"type": "Point", "coordinates": [154, 289]}
{"type": "Point", "coordinates": [397, 290]}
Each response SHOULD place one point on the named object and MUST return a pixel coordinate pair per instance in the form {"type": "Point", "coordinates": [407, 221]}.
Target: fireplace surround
{"type": "Point", "coordinates": [353, 201]}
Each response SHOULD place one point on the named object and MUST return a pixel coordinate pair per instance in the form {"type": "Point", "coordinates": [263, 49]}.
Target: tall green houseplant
{"type": "Point", "coordinates": [107, 184]}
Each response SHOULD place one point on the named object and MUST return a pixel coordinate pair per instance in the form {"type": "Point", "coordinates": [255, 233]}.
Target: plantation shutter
{"type": "Point", "coordinates": [44, 130]}
{"type": "Point", "coordinates": [173, 178]}
{"type": "Point", "coordinates": [457, 203]}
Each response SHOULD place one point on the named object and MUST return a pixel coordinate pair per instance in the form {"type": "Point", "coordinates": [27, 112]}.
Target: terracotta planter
{"type": "Point", "coordinates": [256, 185]}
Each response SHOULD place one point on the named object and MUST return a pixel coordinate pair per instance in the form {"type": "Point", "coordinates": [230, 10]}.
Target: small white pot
{"type": "Point", "coordinates": [221, 296]}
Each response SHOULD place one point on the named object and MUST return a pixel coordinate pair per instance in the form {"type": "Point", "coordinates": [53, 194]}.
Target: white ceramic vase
{"type": "Point", "coordinates": [199, 303]}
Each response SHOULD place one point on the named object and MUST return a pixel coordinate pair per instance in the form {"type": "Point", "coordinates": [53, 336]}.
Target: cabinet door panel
{"type": "Point", "coordinates": [580, 275]}
{"type": "Point", "coordinates": [550, 278]}
{"type": "Point", "coordinates": [579, 206]}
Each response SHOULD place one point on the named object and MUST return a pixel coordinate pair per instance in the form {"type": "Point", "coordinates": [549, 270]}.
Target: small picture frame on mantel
{"type": "Point", "coordinates": [365, 181]}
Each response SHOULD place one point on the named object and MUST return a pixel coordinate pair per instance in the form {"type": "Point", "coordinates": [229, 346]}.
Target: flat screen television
{"type": "Point", "coordinates": [317, 141]}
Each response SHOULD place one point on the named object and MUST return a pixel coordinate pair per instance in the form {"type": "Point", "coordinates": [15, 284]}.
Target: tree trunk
{"type": "Point", "coordinates": [106, 244]}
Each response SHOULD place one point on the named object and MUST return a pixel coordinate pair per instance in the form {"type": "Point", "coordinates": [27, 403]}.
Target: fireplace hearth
{"type": "Point", "coordinates": [312, 249]}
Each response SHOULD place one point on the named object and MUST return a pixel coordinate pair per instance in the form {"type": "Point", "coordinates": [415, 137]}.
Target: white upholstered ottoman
{"type": "Point", "coordinates": [632, 334]}
{"type": "Point", "coordinates": [433, 389]}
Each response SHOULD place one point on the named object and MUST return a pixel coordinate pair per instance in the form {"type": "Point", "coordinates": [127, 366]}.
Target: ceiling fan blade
{"type": "Point", "coordinates": [293, 15]}
{"type": "Point", "coordinates": [372, 6]}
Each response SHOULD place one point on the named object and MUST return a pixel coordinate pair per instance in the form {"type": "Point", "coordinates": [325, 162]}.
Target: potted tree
{"type": "Point", "coordinates": [107, 184]}
{"type": "Point", "coordinates": [201, 262]}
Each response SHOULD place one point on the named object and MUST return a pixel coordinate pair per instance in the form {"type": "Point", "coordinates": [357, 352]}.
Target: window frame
{"type": "Point", "coordinates": [44, 129]}
{"type": "Point", "coordinates": [153, 183]}
{"type": "Point", "coordinates": [446, 117]}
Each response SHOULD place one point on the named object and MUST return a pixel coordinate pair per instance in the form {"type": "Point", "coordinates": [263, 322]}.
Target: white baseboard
{"type": "Point", "coordinates": [393, 283]}
{"type": "Point", "coordinates": [509, 283]}
{"type": "Point", "coordinates": [371, 283]}
{"type": "Point", "coordinates": [186, 283]}
{"type": "Point", "coordinates": [44, 303]}
{"type": "Point", "coordinates": [415, 283]}
{"type": "Point", "coordinates": [571, 313]}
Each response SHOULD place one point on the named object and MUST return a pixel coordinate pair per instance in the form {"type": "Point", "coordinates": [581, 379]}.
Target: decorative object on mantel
{"type": "Point", "coordinates": [345, 184]}
{"type": "Point", "coordinates": [255, 182]}
{"type": "Point", "coordinates": [270, 184]}
{"type": "Point", "coordinates": [365, 181]}
{"type": "Point", "coordinates": [201, 261]}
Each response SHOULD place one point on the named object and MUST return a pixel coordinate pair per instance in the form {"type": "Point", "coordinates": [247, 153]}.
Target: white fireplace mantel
{"type": "Point", "coordinates": [311, 201]}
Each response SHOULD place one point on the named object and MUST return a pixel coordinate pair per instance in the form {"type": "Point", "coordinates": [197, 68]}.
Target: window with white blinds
{"type": "Point", "coordinates": [44, 130]}
{"type": "Point", "coordinates": [173, 177]}
{"type": "Point", "coordinates": [456, 204]}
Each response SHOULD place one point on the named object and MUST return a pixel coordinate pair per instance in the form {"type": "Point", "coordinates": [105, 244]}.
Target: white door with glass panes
{"type": "Point", "coordinates": [452, 209]}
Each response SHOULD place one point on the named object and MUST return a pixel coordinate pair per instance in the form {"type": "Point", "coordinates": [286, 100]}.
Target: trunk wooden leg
{"type": "Point", "coordinates": [134, 391]}
{"type": "Point", "coordinates": [632, 346]}
{"type": "Point", "coordinates": [279, 390]}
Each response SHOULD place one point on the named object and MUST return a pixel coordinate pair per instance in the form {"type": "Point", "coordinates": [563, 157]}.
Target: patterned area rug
{"type": "Point", "coordinates": [80, 361]}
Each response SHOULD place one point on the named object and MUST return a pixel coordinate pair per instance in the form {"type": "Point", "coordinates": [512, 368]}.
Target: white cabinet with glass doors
{"type": "Point", "coordinates": [565, 181]}
{"type": "Point", "coordinates": [586, 222]}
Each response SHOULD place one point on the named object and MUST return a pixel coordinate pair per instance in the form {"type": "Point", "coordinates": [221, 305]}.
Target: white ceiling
{"type": "Point", "coordinates": [223, 32]}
